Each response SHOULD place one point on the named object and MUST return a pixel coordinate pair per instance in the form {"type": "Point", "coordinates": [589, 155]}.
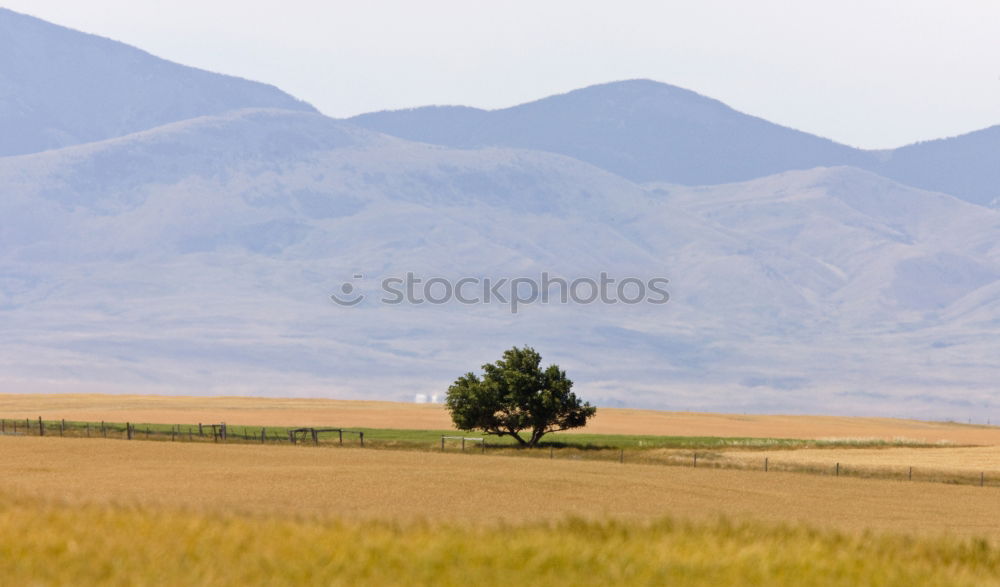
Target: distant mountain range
{"type": "Point", "coordinates": [649, 131]}
{"type": "Point", "coordinates": [60, 87]}
{"type": "Point", "coordinates": [187, 240]}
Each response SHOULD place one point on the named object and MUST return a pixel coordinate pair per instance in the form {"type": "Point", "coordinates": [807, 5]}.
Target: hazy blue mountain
{"type": "Point", "coordinates": [171, 240]}
{"type": "Point", "coordinates": [61, 87]}
{"type": "Point", "coordinates": [639, 129]}
{"type": "Point", "coordinates": [649, 131]}
{"type": "Point", "coordinates": [199, 257]}
{"type": "Point", "coordinates": [967, 166]}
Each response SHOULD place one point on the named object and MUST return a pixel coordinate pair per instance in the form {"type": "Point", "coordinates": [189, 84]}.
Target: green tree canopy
{"type": "Point", "coordinates": [516, 394]}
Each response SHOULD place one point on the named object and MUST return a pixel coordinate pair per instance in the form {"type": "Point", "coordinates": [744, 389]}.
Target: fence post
{"type": "Point", "coordinates": [147, 431]}
{"type": "Point", "coordinates": [442, 444]}
{"type": "Point", "coordinates": [291, 437]}
{"type": "Point", "coordinates": [483, 447]}
{"type": "Point", "coordinates": [104, 431]}
{"type": "Point", "coordinates": [362, 439]}
{"type": "Point", "coordinates": [765, 464]}
{"type": "Point", "coordinates": [910, 476]}
{"type": "Point", "coordinates": [695, 459]}
{"type": "Point", "coordinates": [838, 469]}
{"type": "Point", "coordinates": [41, 427]}
{"type": "Point", "coordinates": [62, 427]}
{"type": "Point", "coordinates": [88, 429]}
{"type": "Point", "coordinates": [173, 433]}
{"type": "Point", "coordinates": [263, 431]}
{"type": "Point", "coordinates": [128, 431]}
{"type": "Point", "coordinates": [315, 436]}
{"type": "Point", "coordinates": [463, 444]}
{"type": "Point", "coordinates": [621, 456]}
{"type": "Point", "coordinates": [201, 431]}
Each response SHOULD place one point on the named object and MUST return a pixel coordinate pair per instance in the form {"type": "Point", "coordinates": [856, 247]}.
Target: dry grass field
{"type": "Point", "coordinates": [366, 485]}
{"type": "Point", "coordinates": [370, 414]}
{"type": "Point", "coordinates": [95, 511]}
{"type": "Point", "coordinates": [973, 459]}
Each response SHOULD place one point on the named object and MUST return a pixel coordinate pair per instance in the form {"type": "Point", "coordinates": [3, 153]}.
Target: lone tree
{"type": "Point", "coordinates": [515, 394]}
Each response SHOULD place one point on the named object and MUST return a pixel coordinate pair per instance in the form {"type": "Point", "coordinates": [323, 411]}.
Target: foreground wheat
{"type": "Point", "coordinates": [59, 544]}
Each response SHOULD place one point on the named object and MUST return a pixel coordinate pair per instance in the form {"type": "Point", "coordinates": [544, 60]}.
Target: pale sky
{"type": "Point", "coordinates": [871, 73]}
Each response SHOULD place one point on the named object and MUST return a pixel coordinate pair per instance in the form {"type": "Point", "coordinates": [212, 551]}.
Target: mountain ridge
{"type": "Point", "coordinates": [221, 278]}
{"type": "Point", "coordinates": [62, 87]}
{"type": "Point", "coordinates": [628, 122]}
{"type": "Point", "coordinates": [659, 132]}
{"type": "Point", "coordinates": [200, 255]}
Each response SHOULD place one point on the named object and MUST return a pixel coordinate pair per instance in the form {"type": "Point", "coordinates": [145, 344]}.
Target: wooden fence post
{"type": "Point", "coordinates": [62, 427]}
{"type": "Point", "coordinates": [463, 444]}
{"type": "Point", "coordinates": [41, 427]}
{"type": "Point", "coordinates": [621, 456]}
{"type": "Point", "coordinates": [201, 431]}
{"type": "Point", "coordinates": [128, 431]}
{"type": "Point", "coordinates": [442, 444]}
{"type": "Point", "coordinates": [695, 459]}
{"type": "Point", "coordinates": [104, 431]}
{"type": "Point", "coordinates": [838, 469]}
{"type": "Point", "coordinates": [362, 439]}
{"type": "Point", "coordinates": [315, 436]}
{"type": "Point", "coordinates": [263, 431]}
{"type": "Point", "coordinates": [765, 464]}
{"type": "Point", "coordinates": [910, 476]}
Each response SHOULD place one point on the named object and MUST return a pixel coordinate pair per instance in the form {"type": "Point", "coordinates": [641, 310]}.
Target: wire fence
{"type": "Point", "coordinates": [313, 436]}
{"type": "Point", "coordinates": [200, 432]}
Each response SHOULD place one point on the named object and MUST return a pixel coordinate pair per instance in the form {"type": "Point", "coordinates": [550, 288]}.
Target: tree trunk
{"type": "Point", "coordinates": [518, 438]}
{"type": "Point", "coordinates": [536, 435]}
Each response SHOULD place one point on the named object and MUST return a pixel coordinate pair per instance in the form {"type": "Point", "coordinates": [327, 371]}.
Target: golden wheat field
{"type": "Point", "coordinates": [108, 511]}
{"type": "Point", "coordinates": [363, 484]}
{"type": "Point", "coordinates": [374, 414]}
{"type": "Point", "coordinates": [58, 544]}
{"type": "Point", "coordinates": [95, 511]}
